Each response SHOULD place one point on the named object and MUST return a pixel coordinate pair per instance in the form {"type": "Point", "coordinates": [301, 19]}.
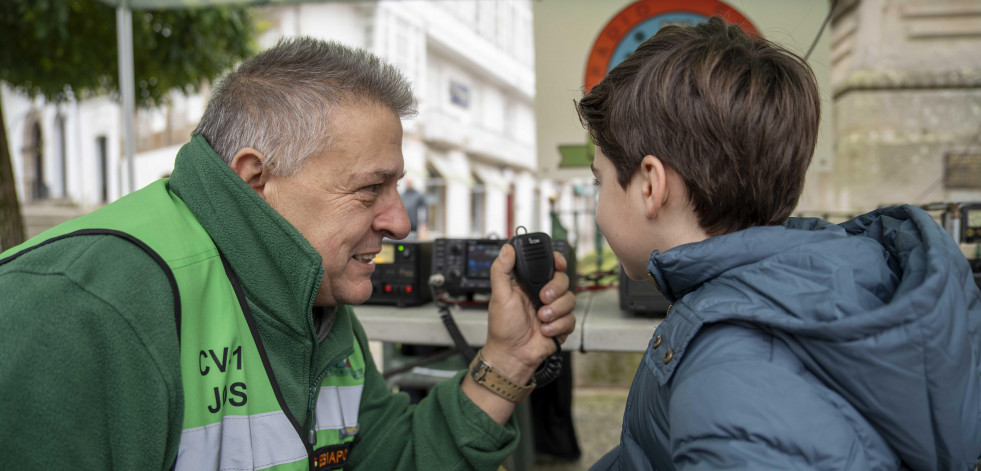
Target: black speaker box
{"type": "Point", "coordinates": [641, 298]}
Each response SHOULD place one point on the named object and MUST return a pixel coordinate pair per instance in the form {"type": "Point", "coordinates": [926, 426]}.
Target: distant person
{"type": "Point", "coordinates": [417, 208]}
{"type": "Point", "coordinates": [791, 343]}
{"type": "Point", "coordinates": [205, 322]}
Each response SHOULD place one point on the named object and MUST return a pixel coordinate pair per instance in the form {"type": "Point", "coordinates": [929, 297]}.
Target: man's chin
{"type": "Point", "coordinates": [353, 295]}
{"type": "Point", "coordinates": [357, 300]}
{"type": "Point", "coordinates": [357, 295]}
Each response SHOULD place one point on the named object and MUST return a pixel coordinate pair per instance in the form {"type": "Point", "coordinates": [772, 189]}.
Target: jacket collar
{"type": "Point", "coordinates": [279, 270]}
{"type": "Point", "coordinates": [683, 269]}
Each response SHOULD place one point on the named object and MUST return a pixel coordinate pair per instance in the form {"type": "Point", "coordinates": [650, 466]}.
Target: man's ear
{"type": "Point", "coordinates": [249, 164]}
{"type": "Point", "coordinates": [654, 184]}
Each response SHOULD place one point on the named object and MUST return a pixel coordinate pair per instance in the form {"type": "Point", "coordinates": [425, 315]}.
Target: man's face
{"type": "Point", "coordinates": [619, 214]}
{"type": "Point", "coordinates": [346, 200]}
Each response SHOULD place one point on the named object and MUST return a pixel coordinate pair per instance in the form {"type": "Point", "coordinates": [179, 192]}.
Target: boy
{"type": "Point", "coordinates": [791, 343]}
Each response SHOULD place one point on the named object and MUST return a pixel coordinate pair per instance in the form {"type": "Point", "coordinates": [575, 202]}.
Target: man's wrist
{"type": "Point", "coordinates": [507, 365]}
{"type": "Point", "coordinates": [488, 376]}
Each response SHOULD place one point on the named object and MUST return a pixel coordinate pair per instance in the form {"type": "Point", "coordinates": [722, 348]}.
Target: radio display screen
{"type": "Point", "coordinates": [974, 218]}
{"type": "Point", "coordinates": [387, 254]}
{"type": "Point", "coordinates": [480, 256]}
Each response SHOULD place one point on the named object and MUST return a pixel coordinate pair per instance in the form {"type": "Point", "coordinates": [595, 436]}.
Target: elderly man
{"type": "Point", "coordinates": [204, 322]}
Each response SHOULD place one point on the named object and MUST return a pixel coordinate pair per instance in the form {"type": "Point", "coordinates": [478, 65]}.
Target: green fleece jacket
{"type": "Point", "coordinates": [89, 358]}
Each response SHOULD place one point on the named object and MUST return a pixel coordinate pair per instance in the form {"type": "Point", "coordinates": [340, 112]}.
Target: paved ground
{"type": "Point", "coordinates": [601, 381]}
{"type": "Point", "coordinates": [598, 414]}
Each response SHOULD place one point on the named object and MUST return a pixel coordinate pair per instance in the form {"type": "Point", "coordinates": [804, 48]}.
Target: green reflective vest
{"type": "Point", "coordinates": [234, 414]}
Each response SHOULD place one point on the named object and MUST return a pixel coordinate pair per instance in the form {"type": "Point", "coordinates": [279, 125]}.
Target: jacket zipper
{"type": "Point", "coordinates": [311, 422]}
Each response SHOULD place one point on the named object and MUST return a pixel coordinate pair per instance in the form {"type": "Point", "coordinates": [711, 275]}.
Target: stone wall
{"type": "Point", "coordinates": [906, 79]}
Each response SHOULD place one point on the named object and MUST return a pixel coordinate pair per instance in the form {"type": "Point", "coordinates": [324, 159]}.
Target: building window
{"type": "Point", "coordinates": [33, 153]}
{"type": "Point", "coordinates": [459, 94]}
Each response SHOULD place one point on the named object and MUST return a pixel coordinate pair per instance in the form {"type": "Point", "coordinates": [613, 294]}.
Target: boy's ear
{"type": "Point", "coordinates": [654, 184]}
{"type": "Point", "coordinates": [249, 164]}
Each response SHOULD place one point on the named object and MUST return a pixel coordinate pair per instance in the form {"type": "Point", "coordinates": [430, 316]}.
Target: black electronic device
{"type": "Point", "coordinates": [462, 267]}
{"type": "Point", "coordinates": [976, 270]}
{"type": "Point", "coordinates": [534, 266]}
{"type": "Point", "coordinates": [534, 263]}
{"type": "Point", "coordinates": [641, 298]}
{"type": "Point", "coordinates": [401, 274]}
{"type": "Point", "coordinates": [970, 223]}
{"type": "Point", "coordinates": [465, 263]}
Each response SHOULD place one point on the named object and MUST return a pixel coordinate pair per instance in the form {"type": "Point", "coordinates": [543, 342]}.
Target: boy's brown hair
{"type": "Point", "coordinates": [735, 115]}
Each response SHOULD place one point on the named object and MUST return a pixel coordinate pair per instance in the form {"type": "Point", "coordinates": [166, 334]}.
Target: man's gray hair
{"type": "Point", "coordinates": [279, 101]}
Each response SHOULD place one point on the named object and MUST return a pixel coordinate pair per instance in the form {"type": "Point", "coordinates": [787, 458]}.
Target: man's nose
{"type": "Point", "coordinates": [394, 220]}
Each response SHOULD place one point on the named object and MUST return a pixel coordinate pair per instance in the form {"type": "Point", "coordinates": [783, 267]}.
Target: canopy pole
{"type": "Point", "coordinates": [124, 37]}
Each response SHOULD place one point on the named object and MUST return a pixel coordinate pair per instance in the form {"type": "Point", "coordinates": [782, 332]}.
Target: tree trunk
{"type": "Point", "coordinates": [11, 222]}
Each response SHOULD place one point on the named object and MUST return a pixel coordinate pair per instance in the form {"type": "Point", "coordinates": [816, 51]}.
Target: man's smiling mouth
{"type": "Point", "coordinates": [365, 258]}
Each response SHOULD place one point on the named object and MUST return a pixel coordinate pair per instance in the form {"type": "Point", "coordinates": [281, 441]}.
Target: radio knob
{"type": "Point", "coordinates": [455, 249]}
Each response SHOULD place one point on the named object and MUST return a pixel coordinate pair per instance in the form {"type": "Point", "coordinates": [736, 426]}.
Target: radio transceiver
{"type": "Point", "coordinates": [462, 267]}
{"type": "Point", "coordinates": [466, 263]}
{"type": "Point", "coordinates": [401, 273]}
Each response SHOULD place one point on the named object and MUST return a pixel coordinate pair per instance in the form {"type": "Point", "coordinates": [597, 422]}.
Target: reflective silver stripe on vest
{"type": "Point", "coordinates": [337, 407]}
{"type": "Point", "coordinates": [244, 442]}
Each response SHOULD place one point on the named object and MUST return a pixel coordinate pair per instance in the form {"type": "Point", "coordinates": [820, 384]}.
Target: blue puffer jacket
{"type": "Point", "coordinates": [811, 346]}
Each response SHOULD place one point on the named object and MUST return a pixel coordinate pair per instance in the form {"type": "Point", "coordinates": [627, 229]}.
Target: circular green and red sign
{"type": "Point", "coordinates": [641, 19]}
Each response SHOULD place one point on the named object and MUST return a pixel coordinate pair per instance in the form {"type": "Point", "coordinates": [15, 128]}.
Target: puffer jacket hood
{"type": "Point", "coordinates": [883, 309]}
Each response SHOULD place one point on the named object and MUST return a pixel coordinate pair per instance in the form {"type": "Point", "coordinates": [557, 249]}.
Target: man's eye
{"type": "Point", "coordinates": [596, 182]}
{"type": "Point", "coordinates": [369, 193]}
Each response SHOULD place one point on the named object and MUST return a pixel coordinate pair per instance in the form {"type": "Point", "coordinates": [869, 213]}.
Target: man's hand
{"type": "Point", "coordinates": [519, 338]}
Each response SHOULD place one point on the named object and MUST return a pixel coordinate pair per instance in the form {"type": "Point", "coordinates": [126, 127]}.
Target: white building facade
{"type": "Point", "coordinates": [473, 143]}
{"type": "Point", "coordinates": [65, 153]}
